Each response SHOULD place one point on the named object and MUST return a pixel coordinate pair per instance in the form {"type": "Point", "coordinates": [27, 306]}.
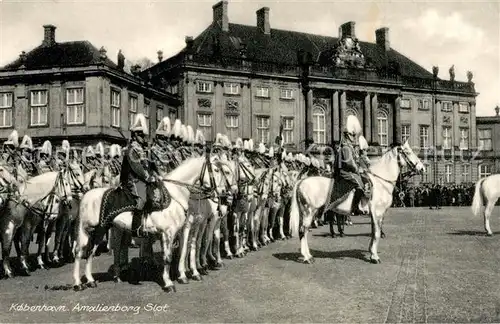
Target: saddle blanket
{"type": "Point", "coordinates": [117, 200]}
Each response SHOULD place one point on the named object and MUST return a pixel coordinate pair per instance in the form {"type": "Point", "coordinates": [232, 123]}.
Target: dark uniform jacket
{"type": "Point", "coordinates": [346, 164]}
{"type": "Point", "coordinates": [134, 172]}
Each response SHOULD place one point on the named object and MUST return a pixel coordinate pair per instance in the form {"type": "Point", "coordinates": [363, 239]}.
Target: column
{"type": "Point", "coordinates": [343, 106]}
{"type": "Point", "coordinates": [367, 118]}
{"type": "Point", "coordinates": [396, 123]}
{"type": "Point", "coordinates": [309, 125]}
{"type": "Point", "coordinates": [335, 124]}
{"type": "Point", "coordinates": [374, 108]}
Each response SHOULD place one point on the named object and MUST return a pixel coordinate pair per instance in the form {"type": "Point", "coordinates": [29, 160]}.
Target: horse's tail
{"type": "Point", "coordinates": [478, 200]}
{"type": "Point", "coordinates": [294, 211]}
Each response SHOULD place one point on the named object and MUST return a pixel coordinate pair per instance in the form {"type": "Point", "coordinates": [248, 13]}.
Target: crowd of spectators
{"type": "Point", "coordinates": [434, 195]}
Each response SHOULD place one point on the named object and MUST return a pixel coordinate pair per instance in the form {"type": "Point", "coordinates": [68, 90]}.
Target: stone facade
{"type": "Point", "coordinates": [488, 134]}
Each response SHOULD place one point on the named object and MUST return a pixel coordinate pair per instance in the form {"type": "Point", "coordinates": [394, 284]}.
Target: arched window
{"type": "Point", "coordinates": [319, 127]}
{"type": "Point", "coordinates": [383, 128]}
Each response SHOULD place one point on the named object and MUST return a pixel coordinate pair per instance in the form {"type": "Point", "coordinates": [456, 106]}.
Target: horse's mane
{"type": "Point", "coordinates": [180, 171]}
{"type": "Point", "coordinates": [382, 160]}
{"type": "Point", "coordinates": [39, 186]}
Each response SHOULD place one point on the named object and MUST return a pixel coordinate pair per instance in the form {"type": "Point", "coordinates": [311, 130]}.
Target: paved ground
{"type": "Point", "coordinates": [437, 266]}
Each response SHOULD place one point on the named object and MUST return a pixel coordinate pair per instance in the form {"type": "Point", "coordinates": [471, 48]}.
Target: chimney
{"type": "Point", "coordinates": [348, 29]}
{"type": "Point", "coordinates": [220, 15]}
{"type": "Point", "coordinates": [263, 20]}
{"type": "Point", "coordinates": [382, 37]}
{"type": "Point", "coordinates": [49, 35]}
{"type": "Point", "coordinates": [160, 56]}
{"type": "Point", "coordinates": [497, 111]}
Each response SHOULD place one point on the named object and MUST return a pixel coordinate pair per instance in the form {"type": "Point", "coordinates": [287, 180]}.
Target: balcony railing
{"type": "Point", "coordinates": [351, 74]}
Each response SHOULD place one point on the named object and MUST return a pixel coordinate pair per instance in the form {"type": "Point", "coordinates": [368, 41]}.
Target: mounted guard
{"type": "Point", "coordinates": [11, 147]}
{"type": "Point", "coordinates": [62, 156]}
{"type": "Point", "coordinates": [347, 171]}
{"type": "Point", "coordinates": [364, 163]}
{"type": "Point", "coordinates": [88, 158]}
{"type": "Point", "coordinates": [27, 159]}
{"type": "Point", "coordinates": [44, 163]}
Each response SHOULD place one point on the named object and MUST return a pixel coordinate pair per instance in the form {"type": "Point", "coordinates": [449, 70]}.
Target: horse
{"type": "Point", "coordinates": [166, 223]}
{"type": "Point", "coordinates": [486, 193]}
{"type": "Point", "coordinates": [65, 222]}
{"type": "Point", "coordinates": [200, 210]}
{"type": "Point", "coordinates": [38, 201]}
{"type": "Point", "coordinates": [311, 193]}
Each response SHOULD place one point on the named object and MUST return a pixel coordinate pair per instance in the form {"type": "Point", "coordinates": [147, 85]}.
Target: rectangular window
{"type": "Point", "coordinates": [484, 170]}
{"type": "Point", "coordinates": [446, 138]}
{"type": "Point", "coordinates": [232, 88]}
{"type": "Point", "coordinates": [6, 109]}
{"type": "Point", "coordinates": [405, 133]}
{"type": "Point", "coordinates": [172, 115]}
{"type": "Point", "coordinates": [446, 106]}
{"type": "Point", "coordinates": [263, 129]}
{"type": "Point", "coordinates": [205, 125]}
{"type": "Point", "coordinates": [115, 108]}
{"type": "Point", "coordinates": [424, 136]}
{"type": "Point", "coordinates": [464, 138]}
{"type": "Point", "coordinates": [484, 136]}
{"type": "Point", "coordinates": [463, 107]}
{"type": "Point", "coordinates": [383, 129]}
{"type": "Point", "coordinates": [426, 175]}
{"type": "Point", "coordinates": [465, 172]}
{"type": "Point", "coordinates": [286, 94]}
{"type": "Point", "coordinates": [74, 106]}
{"type": "Point", "coordinates": [147, 108]}
{"type": "Point", "coordinates": [288, 131]}
{"type": "Point", "coordinates": [448, 173]}
{"type": "Point", "coordinates": [39, 108]}
{"type": "Point", "coordinates": [159, 114]}
{"type": "Point", "coordinates": [173, 88]}
{"type": "Point", "coordinates": [133, 103]}
{"type": "Point", "coordinates": [232, 124]}
{"type": "Point", "coordinates": [263, 92]}
{"type": "Point", "coordinates": [38, 98]}
{"type": "Point", "coordinates": [427, 104]}
{"type": "Point", "coordinates": [405, 104]}
{"type": "Point", "coordinates": [203, 86]}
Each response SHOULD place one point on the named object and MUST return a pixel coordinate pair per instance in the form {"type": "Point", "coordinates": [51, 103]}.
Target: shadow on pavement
{"type": "Point", "coordinates": [352, 254]}
{"type": "Point", "coordinates": [470, 233]}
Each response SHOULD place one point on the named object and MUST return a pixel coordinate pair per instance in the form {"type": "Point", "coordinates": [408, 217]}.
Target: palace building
{"type": "Point", "coordinates": [72, 90]}
{"type": "Point", "coordinates": [488, 136]}
{"type": "Point", "coordinates": [245, 80]}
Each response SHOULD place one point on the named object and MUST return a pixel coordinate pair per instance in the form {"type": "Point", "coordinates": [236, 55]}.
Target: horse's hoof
{"type": "Point", "coordinates": [117, 279]}
{"type": "Point", "coordinates": [229, 257]}
{"type": "Point", "coordinates": [489, 234]}
{"type": "Point", "coordinates": [91, 284]}
{"type": "Point", "coordinates": [196, 277]}
{"type": "Point", "coordinates": [183, 281]}
{"type": "Point", "coordinates": [375, 261]}
{"type": "Point", "coordinates": [79, 287]}
{"type": "Point", "coordinates": [169, 289]}
{"type": "Point", "coordinates": [203, 271]}
{"type": "Point", "coordinates": [309, 261]}
{"type": "Point", "coordinates": [382, 235]}
{"type": "Point", "coordinates": [341, 234]}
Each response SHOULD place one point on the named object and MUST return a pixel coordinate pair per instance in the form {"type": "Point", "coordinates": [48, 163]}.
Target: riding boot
{"type": "Point", "coordinates": [137, 228]}
{"type": "Point", "coordinates": [358, 194]}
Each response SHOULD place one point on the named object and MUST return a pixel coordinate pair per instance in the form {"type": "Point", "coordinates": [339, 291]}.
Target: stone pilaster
{"type": "Point", "coordinates": [335, 117]}
{"type": "Point", "coordinates": [343, 106]}
{"type": "Point", "coordinates": [374, 109]}
{"type": "Point", "coordinates": [367, 118]}
{"type": "Point", "coordinates": [396, 123]}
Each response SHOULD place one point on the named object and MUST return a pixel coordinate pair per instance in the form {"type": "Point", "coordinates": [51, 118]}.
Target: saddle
{"type": "Point", "coordinates": [118, 200]}
{"type": "Point", "coordinates": [341, 189]}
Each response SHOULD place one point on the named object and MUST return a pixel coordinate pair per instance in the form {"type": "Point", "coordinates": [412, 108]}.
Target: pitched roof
{"type": "Point", "coordinates": [281, 47]}
{"type": "Point", "coordinates": [67, 54]}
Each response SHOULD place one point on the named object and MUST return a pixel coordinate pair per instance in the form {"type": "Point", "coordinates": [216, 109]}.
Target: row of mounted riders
{"type": "Point", "coordinates": [42, 196]}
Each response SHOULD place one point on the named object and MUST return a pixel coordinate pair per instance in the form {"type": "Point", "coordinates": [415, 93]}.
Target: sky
{"type": "Point", "coordinates": [465, 34]}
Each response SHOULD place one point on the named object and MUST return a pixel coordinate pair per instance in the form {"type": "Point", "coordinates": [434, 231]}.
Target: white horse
{"type": "Point", "coordinates": [165, 223]}
{"type": "Point", "coordinates": [199, 212]}
{"type": "Point", "coordinates": [487, 192]}
{"type": "Point", "coordinates": [311, 193]}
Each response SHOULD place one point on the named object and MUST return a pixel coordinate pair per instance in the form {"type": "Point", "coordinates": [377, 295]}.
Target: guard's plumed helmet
{"type": "Point", "coordinates": [65, 147]}
{"type": "Point", "coordinates": [239, 144]}
{"type": "Point", "coordinates": [164, 127]}
{"type": "Point", "coordinates": [184, 133]}
{"type": "Point", "coordinates": [99, 149]}
{"type": "Point", "coordinates": [219, 141]}
{"type": "Point", "coordinates": [262, 148]}
{"type": "Point", "coordinates": [13, 139]}
{"type": "Point", "coordinates": [27, 143]}
{"type": "Point", "coordinates": [363, 144]}
{"type": "Point", "coordinates": [46, 148]}
{"type": "Point", "coordinates": [90, 151]}
{"type": "Point", "coordinates": [176, 130]}
{"type": "Point", "coordinates": [199, 138]}
{"type": "Point", "coordinates": [190, 134]}
{"type": "Point", "coordinates": [353, 126]}
{"type": "Point", "coordinates": [140, 125]}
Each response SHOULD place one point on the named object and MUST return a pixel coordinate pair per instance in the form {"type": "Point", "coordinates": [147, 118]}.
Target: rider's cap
{"type": "Point", "coordinates": [13, 139]}
{"type": "Point", "coordinates": [99, 149]}
{"type": "Point", "coordinates": [26, 143]}
{"type": "Point", "coordinates": [353, 126]}
{"type": "Point", "coordinates": [140, 125]}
